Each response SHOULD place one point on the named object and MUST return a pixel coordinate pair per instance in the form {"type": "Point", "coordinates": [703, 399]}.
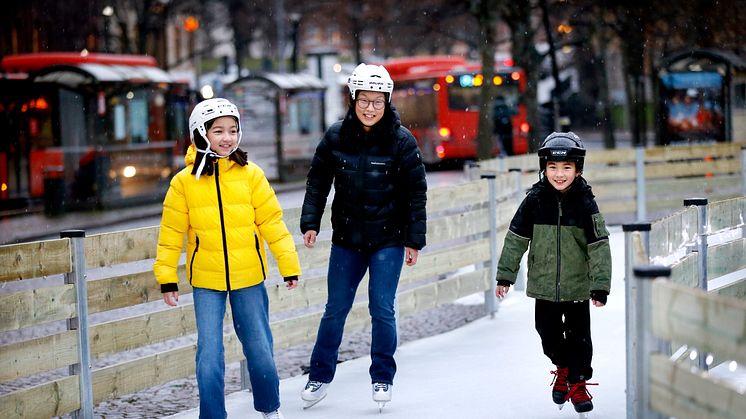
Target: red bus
{"type": "Point", "coordinates": [88, 130]}
{"type": "Point", "coordinates": [438, 100]}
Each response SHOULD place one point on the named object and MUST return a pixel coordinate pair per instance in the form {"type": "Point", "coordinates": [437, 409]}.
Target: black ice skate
{"type": "Point", "coordinates": [581, 398]}
{"type": "Point", "coordinates": [559, 386]}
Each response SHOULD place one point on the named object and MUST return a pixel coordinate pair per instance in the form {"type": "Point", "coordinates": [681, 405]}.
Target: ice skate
{"type": "Point", "coordinates": [314, 392]}
{"type": "Point", "coordinates": [382, 394]}
{"type": "Point", "coordinates": [273, 415]}
{"type": "Point", "coordinates": [559, 386]}
{"type": "Point", "coordinates": [581, 398]}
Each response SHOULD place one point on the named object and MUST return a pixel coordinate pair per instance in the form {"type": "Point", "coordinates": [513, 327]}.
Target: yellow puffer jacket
{"type": "Point", "coordinates": [227, 217]}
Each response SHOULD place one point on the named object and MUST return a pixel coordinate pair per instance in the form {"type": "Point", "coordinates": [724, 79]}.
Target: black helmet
{"type": "Point", "coordinates": [562, 146]}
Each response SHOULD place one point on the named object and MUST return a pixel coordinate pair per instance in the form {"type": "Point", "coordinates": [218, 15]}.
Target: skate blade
{"type": "Point", "coordinates": [560, 406]}
{"type": "Point", "coordinates": [311, 403]}
{"type": "Point", "coordinates": [583, 415]}
{"type": "Point", "coordinates": [381, 405]}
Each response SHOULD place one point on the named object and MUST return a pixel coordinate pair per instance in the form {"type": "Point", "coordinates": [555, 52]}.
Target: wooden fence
{"type": "Point", "coordinates": [455, 263]}
{"type": "Point", "coordinates": [648, 183]}
{"type": "Point", "coordinates": [679, 329]}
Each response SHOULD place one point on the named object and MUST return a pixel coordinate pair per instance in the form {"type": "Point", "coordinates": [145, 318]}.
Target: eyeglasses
{"type": "Point", "coordinates": [377, 104]}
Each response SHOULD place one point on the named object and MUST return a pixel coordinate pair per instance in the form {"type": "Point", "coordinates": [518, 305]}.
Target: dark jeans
{"type": "Point", "coordinates": [346, 270]}
{"type": "Point", "coordinates": [565, 331]}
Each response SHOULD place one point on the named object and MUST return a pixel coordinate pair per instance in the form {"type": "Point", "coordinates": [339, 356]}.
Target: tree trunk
{"type": "Point", "coordinates": [485, 13]}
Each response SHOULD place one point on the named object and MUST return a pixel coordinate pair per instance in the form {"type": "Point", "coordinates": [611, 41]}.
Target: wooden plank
{"type": "Point", "coordinates": [728, 213]}
{"type": "Point", "coordinates": [35, 259]}
{"type": "Point", "coordinates": [456, 196]}
{"type": "Point", "coordinates": [674, 203]}
{"type": "Point", "coordinates": [692, 168]}
{"type": "Point", "coordinates": [689, 187]}
{"type": "Point", "coordinates": [128, 290]}
{"type": "Point", "coordinates": [617, 156]}
{"type": "Point", "coordinates": [458, 225]}
{"type": "Point", "coordinates": [686, 271]}
{"type": "Point", "coordinates": [673, 232]}
{"type": "Point", "coordinates": [22, 359]}
{"type": "Point", "coordinates": [442, 292]}
{"type": "Point", "coordinates": [596, 175]}
{"type": "Point", "coordinates": [617, 207]}
{"type": "Point", "coordinates": [55, 398]}
{"type": "Point", "coordinates": [710, 323]}
{"type": "Point", "coordinates": [291, 216]}
{"type": "Point", "coordinates": [141, 330]}
{"type": "Point", "coordinates": [109, 249]}
{"type": "Point", "coordinates": [726, 258]}
{"type": "Point", "coordinates": [691, 151]}
{"type": "Point", "coordinates": [615, 191]}
{"type": "Point", "coordinates": [734, 290]}
{"type": "Point", "coordinates": [678, 391]}
{"type": "Point", "coordinates": [36, 306]}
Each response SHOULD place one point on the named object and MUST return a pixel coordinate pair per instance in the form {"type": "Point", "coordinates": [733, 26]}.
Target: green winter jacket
{"type": "Point", "coordinates": [569, 253]}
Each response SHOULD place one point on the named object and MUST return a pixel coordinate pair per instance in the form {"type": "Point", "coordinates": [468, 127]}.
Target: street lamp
{"type": "Point", "coordinates": [107, 13]}
{"type": "Point", "coordinates": [295, 22]}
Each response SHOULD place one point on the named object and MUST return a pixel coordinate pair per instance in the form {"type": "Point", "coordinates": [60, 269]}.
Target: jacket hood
{"type": "Point", "coordinates": [191, 155]}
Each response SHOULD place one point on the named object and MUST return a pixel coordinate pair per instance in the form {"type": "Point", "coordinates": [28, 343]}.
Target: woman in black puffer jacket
{"type": "Point", "coordinates": [378, 222]}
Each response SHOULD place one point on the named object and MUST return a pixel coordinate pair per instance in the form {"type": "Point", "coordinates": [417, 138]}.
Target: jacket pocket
{"type": "Point", "coordinates": [599, 225]}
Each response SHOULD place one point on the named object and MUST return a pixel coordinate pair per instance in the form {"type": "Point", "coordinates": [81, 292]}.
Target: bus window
{"type": "Point", "coordinates": [466, 98]}
{"type": "Point", "coordinates": [416, 103]}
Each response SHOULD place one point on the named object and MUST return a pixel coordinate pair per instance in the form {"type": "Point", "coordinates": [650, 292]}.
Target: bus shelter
{"type": "Point", "coordinates": [702, 97]}
{"type": "Point", "coordinates": [282, 118]}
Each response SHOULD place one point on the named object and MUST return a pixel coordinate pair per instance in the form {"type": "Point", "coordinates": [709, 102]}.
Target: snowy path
{"type": "Point", "coordinates": [484, 370]}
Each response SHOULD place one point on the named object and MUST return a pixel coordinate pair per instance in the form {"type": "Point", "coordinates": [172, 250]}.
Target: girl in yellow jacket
{"type": "Point", "coordinates": [226, 208]}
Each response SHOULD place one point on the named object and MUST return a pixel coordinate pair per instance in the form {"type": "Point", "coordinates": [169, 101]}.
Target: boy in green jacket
{"type": "Point", "coordinates": [569, 263]}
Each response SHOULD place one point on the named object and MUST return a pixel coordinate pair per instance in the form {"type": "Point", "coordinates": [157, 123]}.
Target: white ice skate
{"type": "Point", "coordinates": [314, 392]}
{"type": "Point", "coordinates": [382, 394]}
{"type": "Point", "coordinates": [273, 415]}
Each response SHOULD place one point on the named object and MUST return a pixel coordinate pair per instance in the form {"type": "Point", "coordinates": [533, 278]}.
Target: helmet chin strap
{"type": "Point", "coordinates": [209, 153]}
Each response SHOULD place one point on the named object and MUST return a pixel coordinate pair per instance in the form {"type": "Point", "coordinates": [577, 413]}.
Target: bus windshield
{"type": "Point", "coordinates": [417, 103]}
{"type": "Point", "coordinates": [463, 95]}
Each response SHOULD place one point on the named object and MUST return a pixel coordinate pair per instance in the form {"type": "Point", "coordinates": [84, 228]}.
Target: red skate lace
{"type": "Point", "coordinates": [579, 393]}
{"type": "Point", "coordinates": [560, 378]}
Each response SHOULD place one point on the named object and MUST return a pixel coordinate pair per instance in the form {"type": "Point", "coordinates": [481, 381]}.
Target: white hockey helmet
{"type": "Point", "coordinates": [206, 111]}
{"type": "Point", "coordinates": [370, 77]}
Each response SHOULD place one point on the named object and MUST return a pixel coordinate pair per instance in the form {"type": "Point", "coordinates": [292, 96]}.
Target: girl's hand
{"type": "Point", "coordinates": [293, 283]}
{"type": "Point", "coordinates": [309, 238]}
{"type": "Point", "coordinates": [171, 298]}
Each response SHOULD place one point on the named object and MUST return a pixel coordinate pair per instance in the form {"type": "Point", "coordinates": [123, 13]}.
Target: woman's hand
{"type": "Point", "coordinates": [410, 256]}
{"type": "Point", "coordinates": [309, 238]}
{"type": "Point", "coordinates": [171, 298]}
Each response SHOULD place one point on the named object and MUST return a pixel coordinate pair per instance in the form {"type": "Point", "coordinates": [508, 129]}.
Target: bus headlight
{"type": "Point", "coordinates": [129, 171]}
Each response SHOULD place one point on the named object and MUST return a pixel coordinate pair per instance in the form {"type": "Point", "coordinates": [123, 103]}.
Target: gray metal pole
{"type": "Point", "coordinates": [702, 227]}
{"type": "Point", "coordinates": [743, 170]}
{"type": "Point", "coordinates": [648, 343]}
{"type": "Point", "coordinates": [632, 310]}
{"type": "Point", "coordinates": [490, 301]}
{"type": "Point", "coordinates": [80, 323]}
{"type": "Point", "coordinates": [642, 213]}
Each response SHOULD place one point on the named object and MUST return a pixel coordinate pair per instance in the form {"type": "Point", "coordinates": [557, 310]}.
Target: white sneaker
{"type": "Point", "coordinates": [314, 392]}
{"type": "Point", "coordinates": [273, 415]}
{"type": "Point", "coordinates": [382, 392]}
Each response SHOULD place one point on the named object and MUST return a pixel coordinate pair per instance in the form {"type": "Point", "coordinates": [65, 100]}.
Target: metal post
{"type": "Point", "coordinates": [743, 170]}
{"type": "Point", "coordinates": [490, 301]}
{"type": "Point", "coordinates": [632, 314]}
{"type": "Point", "coordinates": [521, 277]}
{"type": "Point", "coordinates": [80, 323]}
{"type": "Point", "coordinates": [701, 249]}
{"type": "Point", "coordinates": [642, 213]}
{"type": "Point", "coordinates": [647, 344]}
{"type": "Point", "coordinates": [470, 168]}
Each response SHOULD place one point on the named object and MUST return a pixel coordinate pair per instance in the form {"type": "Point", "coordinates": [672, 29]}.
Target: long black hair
{"type": "Point", "coordinates": [239, 156]}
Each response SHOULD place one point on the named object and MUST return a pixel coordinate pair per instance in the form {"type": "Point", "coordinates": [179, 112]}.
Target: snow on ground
{"type": "Point", "coordinates": [490, 368]}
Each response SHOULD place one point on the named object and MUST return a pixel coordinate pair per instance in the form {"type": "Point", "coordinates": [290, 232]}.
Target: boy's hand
{"type": "Point", "coordinates": [598, 298]}
{"type": "Point", "coordinates": [501, 291]}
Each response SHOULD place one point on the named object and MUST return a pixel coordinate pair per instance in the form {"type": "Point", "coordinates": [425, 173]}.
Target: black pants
{"type": "Point", "coordinates": [565, 331]}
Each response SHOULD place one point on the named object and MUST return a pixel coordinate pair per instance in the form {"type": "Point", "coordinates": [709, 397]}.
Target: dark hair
{"type": "Point", "coordinates": [239, 156]}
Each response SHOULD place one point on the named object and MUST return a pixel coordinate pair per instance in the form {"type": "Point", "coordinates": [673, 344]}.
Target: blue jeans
{"type": "Point", "coordinates": [346, 270]}
{"type": "Point", "coordinates": [250, 307]}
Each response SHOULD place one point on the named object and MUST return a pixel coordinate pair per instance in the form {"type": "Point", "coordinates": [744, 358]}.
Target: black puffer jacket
{"type": "Point", "coordinates": [379, 185]}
